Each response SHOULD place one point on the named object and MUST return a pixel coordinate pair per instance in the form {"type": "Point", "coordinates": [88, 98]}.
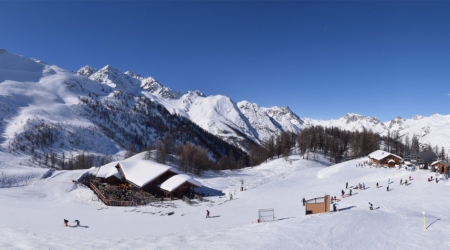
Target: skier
{"type": "Point", "coordinates": [370, 206]}
{"type": "Point", "coordinates": [406, 182]}
{"type": "Point", "coordinates": [343, 193]}
{"type": "Point", "coordinates": [78, 223]}
{"type": "Point", "coordinates": [401, 182]}
{"type": "Point", "coordinates": [334, 208]}
{"type": "Point", "coordinates": [346, 185]}
{"type": "Point", "coordinates": [364, 186]}
{"type": "Point", "coordinates": [436, 180]}
{"type": "Point", "coordinates": [409, 178]}
{"type": "Point", "coordinates": [377, 185]}
{"type": "Point", "coordinates": [387, 188]}
{"type": "Point", "coordinates": [350, 192]}
{"type": "Point", "coordinates": [304, 201]}
{"type": "Point", "coordinates": [65, 222]}
{"type": "Point", "coordinates": [231, 197]}
{"type": "Point", "coordinates": [207, 213]}
{"type": "Point", "coordinates": [389, 181]}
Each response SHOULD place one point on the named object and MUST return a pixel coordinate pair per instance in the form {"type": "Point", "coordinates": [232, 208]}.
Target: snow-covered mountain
{"type": "Point", "coordinates": [46, 106]}
{"type": "Point", "coordinates": [433, 130]}
{"type": "Point", "coordinates": [236, 123]}
{"type": "Point", "coordinates": [46, 111]}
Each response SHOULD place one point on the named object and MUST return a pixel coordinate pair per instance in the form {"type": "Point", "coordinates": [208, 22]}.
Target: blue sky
{"type": "Point", "coordinates": [322, 59]}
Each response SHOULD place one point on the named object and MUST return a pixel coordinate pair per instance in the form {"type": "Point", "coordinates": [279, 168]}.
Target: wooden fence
{"type": "Point", "coordinates": [106, 201]}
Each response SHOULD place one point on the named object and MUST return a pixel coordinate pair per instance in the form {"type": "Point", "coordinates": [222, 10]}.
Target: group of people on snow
{"type": "Point", "coordinates": [66, 222]}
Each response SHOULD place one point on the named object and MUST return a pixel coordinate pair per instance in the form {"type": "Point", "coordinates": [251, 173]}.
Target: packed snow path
{"type": "Point", "coordinates": [32, 215]}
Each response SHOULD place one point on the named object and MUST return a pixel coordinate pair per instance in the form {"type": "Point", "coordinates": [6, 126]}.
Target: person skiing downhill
{"type": "Point", "coordinates": [370, 206]}
{"type": "Point", "coordinates": [364, 186]}
{"type": "Point", "coordinates": [350, 192]}
{"type": "Point", "coordinates": [346, 185]}
{"type": "Point", "coordinates": [65, 222]}
{"type": "Point", "coordinates": [207, 213]}
{"type": "Point", "coordinates": [401, 182]}
{"type": "Point", "coordinates": [78, 223]}
{"type": "Point", "coordinates": [343, 193]}
{"type": "Point", "coordinates": [377, 185]}
{"type": "Point", "coordinates": [387, 189]}
{"type": "Point", "coordinates": [406, 182]}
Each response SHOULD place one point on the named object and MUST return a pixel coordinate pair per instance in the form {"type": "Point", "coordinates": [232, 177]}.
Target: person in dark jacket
{"type": "Point", "coordinates": [304, 201]}
{"type": "Point", "coordinates": [65, 222]}
{"type": "Point", "coordinates": [387, 189]}
{"type": "Point", "coordinates": [346, 185]}
{"type": "Point", "coordinates": [207, 213]}
{"type": "Point", "coordinates": [370, 206]}
{"type": "Point", "coordinates": [78, 222]}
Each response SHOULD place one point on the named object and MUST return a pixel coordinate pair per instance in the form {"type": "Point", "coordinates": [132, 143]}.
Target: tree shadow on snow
{"type": "Point", "coordinates": [346, 208]}
{"type": "Point", "coordinates": [433, 222]}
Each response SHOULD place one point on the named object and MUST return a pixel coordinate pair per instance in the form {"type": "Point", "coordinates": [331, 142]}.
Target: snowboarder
{"type": "Point", "coordinates": [207, 213]}
{"type": "Point", "coordinates": [370, 206]}
{"type": "Point", "coordinates": [343, 193]}
{"type": "Point", "coordinates": [377, 185]}
{"type": "Point", "coordinates": [401, 182]}
{"type": "Point", "coordinates": [350, 192]}
{"type": "Point", "coordinates": [78, 223]}
{"type": "Point", "coordinates": [346, 185]}
{"type": "Point", "coordinates": [387, 188]}
{"type": "Point", "coordinates": [304, 201]}
{"type": "Point", "coordinates": [65, 222]}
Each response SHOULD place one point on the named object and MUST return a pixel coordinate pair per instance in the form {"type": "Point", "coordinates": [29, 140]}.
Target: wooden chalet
{"type": "Point", "coordinates": [179, 185]}
{"type": "Point", "coordinates": [383, 158]}
{"type": "Point", "coordinates": [441, 167]}
{"type": "Point", "coordinates": [144, 175]}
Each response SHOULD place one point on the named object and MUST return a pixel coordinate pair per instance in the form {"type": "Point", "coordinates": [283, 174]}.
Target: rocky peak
{"type": "Point", "coordinates": [86, 71]}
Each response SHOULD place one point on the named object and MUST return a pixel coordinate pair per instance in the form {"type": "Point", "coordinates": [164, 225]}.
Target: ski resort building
{"type": "Point", "coordinates": [422, 159]}
{"type": "Point", "coordinates": [441, 167]}
{"type": "Point", "coordinates": [381, 157]}
{"type": "Point", "coordinates": [318, 205]}
{"type": "Point", "coordinates": [125, 178]}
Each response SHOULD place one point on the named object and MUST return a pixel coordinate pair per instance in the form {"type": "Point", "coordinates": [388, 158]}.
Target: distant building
{"type": "Point", "coordinates": [441, 167]}
{"type": "Point", "coordinates": [381, 157]}
{"type": "Point", "coordinates": [422, 159]}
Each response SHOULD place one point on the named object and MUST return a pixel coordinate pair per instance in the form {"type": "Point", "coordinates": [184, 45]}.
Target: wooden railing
{"type": "Point", "coordinates": [106, 201]}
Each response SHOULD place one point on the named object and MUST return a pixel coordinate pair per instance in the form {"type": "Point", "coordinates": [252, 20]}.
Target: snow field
{"type": "Point", "coordinates": [32, 215]}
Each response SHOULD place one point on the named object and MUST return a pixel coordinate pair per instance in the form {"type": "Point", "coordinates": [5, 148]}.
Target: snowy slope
{"type": "Point", "coordinates": [396, 222]}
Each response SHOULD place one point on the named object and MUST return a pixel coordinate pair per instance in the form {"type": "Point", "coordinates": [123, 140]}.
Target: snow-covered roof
{"type": "Point", "coordinates": [142, 172]}
{"type": "Point", "coordinates": [175, 181]}
{"type": "Point", "coordinates": [108, 170]}
{"type": "Point", "coordinates": [381, 154]}
{"type": "Point", "coordinates": [442, 162]}
{"type": "Point", "coordinates": [408, 163]}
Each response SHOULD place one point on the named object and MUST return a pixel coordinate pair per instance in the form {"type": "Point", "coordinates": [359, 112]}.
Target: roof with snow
{"type": "Point", "coordinates": [381, 154]}
{"type": "Point", "coordinates": [142, 172]}
{"type": "Point", "coordinates": [442, 162]}
{"type": "Point", "coordinates": [175, 181]}
{"type": "Point", "coordinates": [108, 170]}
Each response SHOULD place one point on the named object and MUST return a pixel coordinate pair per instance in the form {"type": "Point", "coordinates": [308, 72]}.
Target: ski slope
{"type": "Point", "coordinates": [33, 212]}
